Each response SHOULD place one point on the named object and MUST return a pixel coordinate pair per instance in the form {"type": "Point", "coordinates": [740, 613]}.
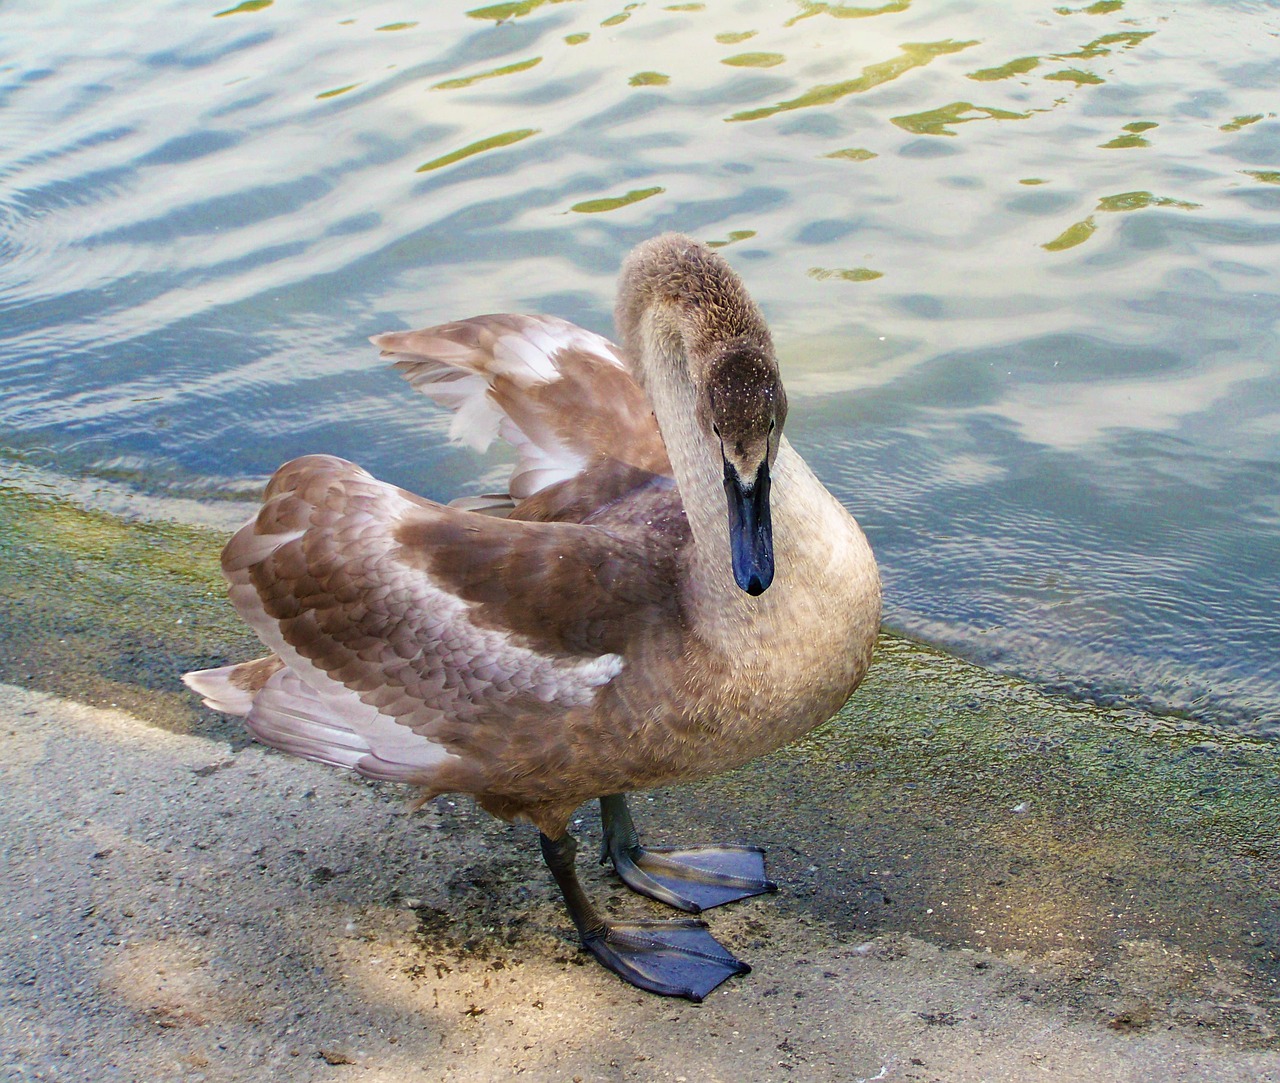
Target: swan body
{"type": "Point", "coordinates": [666, 590]}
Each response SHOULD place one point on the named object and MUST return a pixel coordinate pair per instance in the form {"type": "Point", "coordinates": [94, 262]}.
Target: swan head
{"type": "Point", "coordinates": [685, 316]}
{"type": "Point", "coordinates": [745, 407]}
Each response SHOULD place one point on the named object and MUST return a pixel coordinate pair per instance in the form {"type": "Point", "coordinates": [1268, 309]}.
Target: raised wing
{"type": "Point", "coordinates": [560, 395]}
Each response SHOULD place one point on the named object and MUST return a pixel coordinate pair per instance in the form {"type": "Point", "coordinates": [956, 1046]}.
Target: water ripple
{"type": "Point", "coordinates": [1020, 277]}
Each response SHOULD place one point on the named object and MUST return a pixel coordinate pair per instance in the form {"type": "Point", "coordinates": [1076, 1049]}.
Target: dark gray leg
{"type": "Point", "coordinates": [692, 879]}
{"type": "Point", "coordinates": [673, 958]}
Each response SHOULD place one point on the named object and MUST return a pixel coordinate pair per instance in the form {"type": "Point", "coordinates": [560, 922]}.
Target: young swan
{"type": "Point", "coordinates": [665, 592]}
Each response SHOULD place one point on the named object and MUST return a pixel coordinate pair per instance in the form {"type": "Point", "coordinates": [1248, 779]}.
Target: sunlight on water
{"type": "Point", "coordinates": [1020, 262]}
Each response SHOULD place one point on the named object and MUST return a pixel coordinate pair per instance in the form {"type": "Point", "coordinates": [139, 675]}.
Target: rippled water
{"type": "Point", "coordinates": [1020, 261]}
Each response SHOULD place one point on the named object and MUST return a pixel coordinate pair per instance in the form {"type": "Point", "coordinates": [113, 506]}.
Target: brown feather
{"type": "Point", "coordinates": [593, 641]}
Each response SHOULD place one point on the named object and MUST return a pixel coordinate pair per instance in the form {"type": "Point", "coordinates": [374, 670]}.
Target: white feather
{"type": "Point", "coordinates": [217, 690]}
{"type": "Point", "coordinates": [459, 377]}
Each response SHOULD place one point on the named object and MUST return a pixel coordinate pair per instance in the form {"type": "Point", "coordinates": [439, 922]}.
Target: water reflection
{"type": "Point", "coordinates": [1029, 337]}
{"type": "Point", "coordinates": [873, 75]}
{"type": "Point", "coordinates": [613, 203]}
{"type": "Point", "coordinates": [502, 12]}
{"type": "Point", "coordinates": [471, 80]}
{"type": "Point", "coordinates": [754, 60]}
{"type": "Point", "coordinates": [939, 121]}
{"type": "Point", "coordinates": [247, 5]}
{"type": "Point", "coordinates": [494, 142]}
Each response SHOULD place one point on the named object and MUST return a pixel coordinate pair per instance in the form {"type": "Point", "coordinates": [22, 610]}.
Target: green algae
{"type": "Point", "coordinates": [938, 717]}
{"type": "Point", "coordinates": [111, 612]}
{"type": "Point", "coordinates": [979, 812]}
{"type": "Point", "coordinates": [964, 807]}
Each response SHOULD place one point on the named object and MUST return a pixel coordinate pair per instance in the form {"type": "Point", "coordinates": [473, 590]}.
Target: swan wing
{"type": "Point", "coordinates": [412, 633]}
{"type": "Point", "coordinates": [560, 395]}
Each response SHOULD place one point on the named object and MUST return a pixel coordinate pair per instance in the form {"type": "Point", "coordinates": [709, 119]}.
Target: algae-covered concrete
{"type": "Point", "coordinates": [979, 881]}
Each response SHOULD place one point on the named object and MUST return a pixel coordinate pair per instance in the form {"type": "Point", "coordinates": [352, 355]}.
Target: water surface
{"type": "Point", "coordinates": [1020, 260]}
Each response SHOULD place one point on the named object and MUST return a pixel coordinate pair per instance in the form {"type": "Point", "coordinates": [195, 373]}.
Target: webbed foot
{"type": "Point", "coordinates": [671, 958]}
{"type": "Point", "coordinates": [692, 879]}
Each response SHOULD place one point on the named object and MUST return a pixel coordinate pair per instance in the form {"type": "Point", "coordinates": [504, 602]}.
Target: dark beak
{"type": "Point", "coordinates": [750, 529]}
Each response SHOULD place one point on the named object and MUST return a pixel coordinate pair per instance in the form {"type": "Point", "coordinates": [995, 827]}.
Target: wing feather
{"type": "Point", "coordinates": [560, 395]}
{"type": "Point", "coordinates": [401, 622]}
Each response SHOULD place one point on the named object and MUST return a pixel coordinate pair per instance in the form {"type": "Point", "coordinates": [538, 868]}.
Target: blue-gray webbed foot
{"type": "Point", "coordinates": [671, 958]}
{"type": "Point", "coordinates": [692, 879]}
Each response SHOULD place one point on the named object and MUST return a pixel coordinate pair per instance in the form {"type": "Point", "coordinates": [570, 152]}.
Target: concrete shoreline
{"type": "Point", "coordinates": [979, 881]}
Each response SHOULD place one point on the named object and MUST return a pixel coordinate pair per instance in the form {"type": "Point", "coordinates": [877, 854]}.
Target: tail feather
{"type": "Point", "coordinates": [282, 710]}
{"type": "Point", "coordinates": [231, 689]}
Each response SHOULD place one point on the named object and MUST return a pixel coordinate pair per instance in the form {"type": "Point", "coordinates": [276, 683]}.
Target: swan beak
{"type": "Point", "coordinates": [750, 529]}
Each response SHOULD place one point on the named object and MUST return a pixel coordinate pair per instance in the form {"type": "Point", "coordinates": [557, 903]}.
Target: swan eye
{"type": "Point", "coordinates": [773, 423]}
{"type": "Point", "coordinates": [715, 429]}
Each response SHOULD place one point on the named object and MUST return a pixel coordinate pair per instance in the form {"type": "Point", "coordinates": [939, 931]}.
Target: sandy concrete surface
{"type": "Point", "coordinates": [182, 908]}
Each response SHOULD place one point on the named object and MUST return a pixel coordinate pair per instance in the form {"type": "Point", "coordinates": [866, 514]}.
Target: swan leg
{"type": "Point", "coordinates": [671, 958]}
{"type": "Point", "coordinates": [692, 879]}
